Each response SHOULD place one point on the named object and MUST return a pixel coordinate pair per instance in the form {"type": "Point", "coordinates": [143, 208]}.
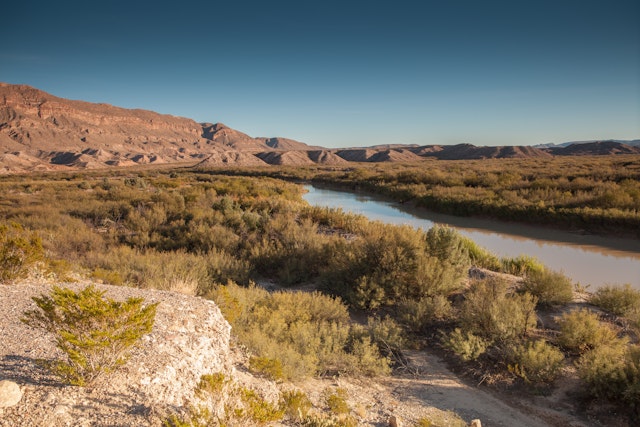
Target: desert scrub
{"type": "Point", "coordinates": [619, 300]}
{"type": "Point", "coordinates": [270, 368]}
{"type": "Point", "coordinates": [19, 250]}
{"type": "Point", "coordinates": [296, 404]}
{"type": "Point", "coordinates": [537, 362]}
{"type": "Point", "coordinates": [94, 333]}
{"type": "Point", "coordinates": [580, 330]}
{"type": "Point", "coordinates": [612, 371]}
{"type": "Point", "coordinates": [465, 345]}
{"type": "Point", "coordinates": [237, 405]}
{"type": "Point", "coordinates": [492, 312]}
{"type": "Point", "coordinates": [550, 287]}
{"type": "Point", "coordinates": [305, 333]}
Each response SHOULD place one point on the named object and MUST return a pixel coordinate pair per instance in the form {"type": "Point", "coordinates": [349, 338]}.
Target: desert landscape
{"type": "Point", "coordinates": [362, 323]}
{"type": "Point", "coordinates": [320, 214]}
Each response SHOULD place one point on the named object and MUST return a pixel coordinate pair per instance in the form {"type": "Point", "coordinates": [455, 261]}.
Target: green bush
{"type": "Point", "coordinates": [580, 330]}
{"type": "Point", "coordinates": [95, 333]}
{"type": "Point", "coordinates": [308, 333]}
{"type": "Point", "coordinates": [521, 265]}
{"type": "Point", "coordinates": [536, 362]}
{"type": "Point", "coordinates": [619, 300]}
{"type": "Point", "coordinates": [550, 287]}
{"type": "Point", "coordinates": [495, 314]}
{"type": "Point", "coordinates": [271, 368]}
{"type": "Point", "coordinates": [467, 346]}
{"type": "Point", "coordinates": [612, 371]}
{"type": "Point", "coordinates": [336, 400]}
{"type": "Point", "coordinates": [19, 250]}
{"type": "Point", "coordinates": [417, 315]}
{"type": "Point", "coordinates": [296, 404]}
{"type": "Point", "coordinates": [480, 257]}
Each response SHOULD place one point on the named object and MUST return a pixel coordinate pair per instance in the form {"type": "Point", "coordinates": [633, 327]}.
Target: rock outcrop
{"type": "Point", "coordinates": [190, 338]}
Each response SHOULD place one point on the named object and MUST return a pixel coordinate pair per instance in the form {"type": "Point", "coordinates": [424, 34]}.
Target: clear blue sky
{"type": "Point", "coordinates": [345, 73]}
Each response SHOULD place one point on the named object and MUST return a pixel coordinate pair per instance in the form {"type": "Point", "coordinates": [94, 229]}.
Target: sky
{"type": "Point", "coordinates": [345, 73]}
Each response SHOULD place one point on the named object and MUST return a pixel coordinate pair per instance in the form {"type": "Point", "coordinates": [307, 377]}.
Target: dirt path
{"type": "Point", "coordinates": [435, 385]}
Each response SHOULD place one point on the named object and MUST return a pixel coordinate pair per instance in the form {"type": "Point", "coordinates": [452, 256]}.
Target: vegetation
{"type": "Point", "coordinates": [210, 234]}
{"type": "Point", "coordinates": [95, 333]}
{"type": "Point", "coordinates": [536, 362]}
{"type": "Point", "coordinates": [19, 250]}
{"type": "Point", "coordinates": [550, 287]}
{"type": "Point", "coordinates": [298, 334]}
{"type": "Point", "coordinates": [598, 194]}
{"type": "Point", "coordinates": [619, 300]}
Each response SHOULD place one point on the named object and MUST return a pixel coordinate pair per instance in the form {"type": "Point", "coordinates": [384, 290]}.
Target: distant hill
{"type": "Point", "coordinates": [595, 148]}
{"type": "Point", "coordinates": [40, 132]}
{"type": "Point", "coordinates": [633, 142]}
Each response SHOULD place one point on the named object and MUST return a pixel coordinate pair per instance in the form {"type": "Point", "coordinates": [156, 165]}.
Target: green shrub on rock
{"type": "Point", "coordinates": [95, 333]}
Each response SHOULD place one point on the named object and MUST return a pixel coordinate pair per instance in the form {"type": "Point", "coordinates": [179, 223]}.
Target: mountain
{"type": "Point", "coordinates": [40, 132]}
{"type": "Point", "coordinates": [470, 152]}
{"type": "Point", "coordinates": [633, 142]}
{"type": "Point", "coordinates": [595, 148]}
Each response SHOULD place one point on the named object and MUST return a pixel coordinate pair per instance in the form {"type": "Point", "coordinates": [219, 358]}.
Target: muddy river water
{"type": "Point", "coordinates": [587, 259]}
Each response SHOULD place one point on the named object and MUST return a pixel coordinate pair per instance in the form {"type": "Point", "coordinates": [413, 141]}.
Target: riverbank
{"type": "Point", "coordinates": [586, 259]}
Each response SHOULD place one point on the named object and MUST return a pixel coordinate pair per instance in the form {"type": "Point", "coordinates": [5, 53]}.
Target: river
{"type": "Point", "coordinates": [587, 259]}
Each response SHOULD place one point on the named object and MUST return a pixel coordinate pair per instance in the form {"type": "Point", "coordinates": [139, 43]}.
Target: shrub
{"type": "Point", "coordinates": [611, 371]}
{"type": "Point", "coordinates": [418, 315]}
{"type": "Point", "coordinates": [580, 330]}
{"type": "Point", "coordinates": [481, 257]}
{"type": "Point", "coordinates": [271, 368]}
{"type": "Point", "coordinates": [336, 400]}
{"type": "Point", "coordinates": [257, 409]}
{"type": "Point", "coordinates": [521, 265]}
{"type": "Point", "coordinates": [491, 312]}
{"type": "Point", "coordinates": [212, 384]}
{"type": "Point", "coordinates": [308, 333]}
{"type": "Point", "coordinates": [550, 287]}
{"type": "Point", "coordinates": [19, 250]}
{"type": "Point", "coordinates": [95, 333]}
{"type": "Point", "coordinates": [467, 346]}
{"type": "Point", "coordinates": [296, 404]}
{"type": "Point", "coordinates": [536, 362]}
{"type": "Point", "coordinates": [619, 300]}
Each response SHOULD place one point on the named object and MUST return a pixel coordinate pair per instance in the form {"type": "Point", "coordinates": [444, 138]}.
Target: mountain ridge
{"type": "Point", "coordinates": [40, 132]}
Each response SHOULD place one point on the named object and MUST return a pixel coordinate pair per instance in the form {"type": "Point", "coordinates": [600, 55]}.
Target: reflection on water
{"type": "Point", "coordinates": [587, 259]}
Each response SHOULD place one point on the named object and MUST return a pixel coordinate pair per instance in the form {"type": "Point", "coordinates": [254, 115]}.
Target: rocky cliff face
{"type": "Point", "coordinates": [42, 131]}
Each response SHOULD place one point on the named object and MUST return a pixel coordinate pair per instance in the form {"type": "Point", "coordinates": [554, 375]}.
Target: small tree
{"type": "Point", "coordinates": [95, 333]}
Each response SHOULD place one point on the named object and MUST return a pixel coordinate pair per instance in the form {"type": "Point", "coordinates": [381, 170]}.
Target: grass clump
{"type": "Point", "coordinates": [95, 333]}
